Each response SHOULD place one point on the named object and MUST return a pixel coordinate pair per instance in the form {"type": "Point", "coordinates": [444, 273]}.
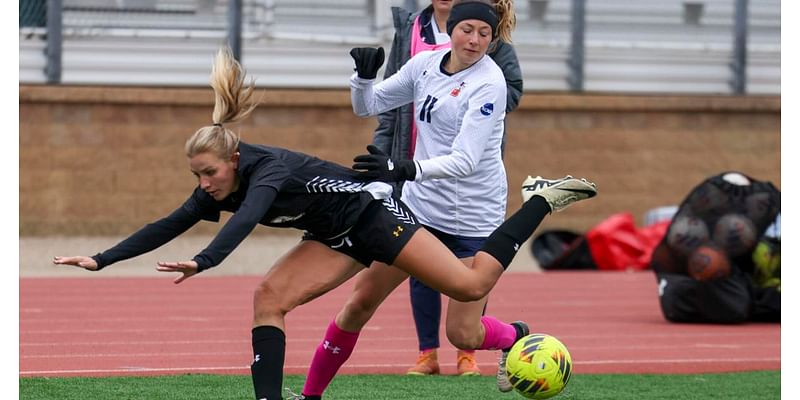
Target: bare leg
{"type": "Point", "coordinates": [372, 287]}
{"type": "Point", "coordinates": [463, 324]}
{"type": "Point", "coordinates": [431, 262]}
{"type": "Point", "coordinates": [306, 272]}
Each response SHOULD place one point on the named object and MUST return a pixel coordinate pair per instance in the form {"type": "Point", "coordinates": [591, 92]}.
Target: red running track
{"type": "Point", "coordinates": [610, 321]}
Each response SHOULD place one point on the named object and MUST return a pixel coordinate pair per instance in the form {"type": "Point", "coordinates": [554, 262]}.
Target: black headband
{"type": "Point", "coordinates": [472, 10]}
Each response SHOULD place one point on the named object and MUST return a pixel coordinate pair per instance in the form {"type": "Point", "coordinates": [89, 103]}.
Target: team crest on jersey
{"type": "Point", "coordinates": [487, 109]}
{"type": "Point", "coordinates": [457, 90]}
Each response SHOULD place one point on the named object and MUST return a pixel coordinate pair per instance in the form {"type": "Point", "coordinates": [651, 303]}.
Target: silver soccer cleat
{"type": "Point", "coordinates": [559, 193]}
{"type": "Point", "coordinates": [503, 383]}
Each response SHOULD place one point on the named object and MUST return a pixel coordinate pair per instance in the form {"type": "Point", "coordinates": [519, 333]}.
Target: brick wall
{"type": "Point", "coordinates": [107, 160]}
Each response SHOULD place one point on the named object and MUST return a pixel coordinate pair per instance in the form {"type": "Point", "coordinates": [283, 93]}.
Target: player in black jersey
{"type": "Point", "coordinates": [349, 222]}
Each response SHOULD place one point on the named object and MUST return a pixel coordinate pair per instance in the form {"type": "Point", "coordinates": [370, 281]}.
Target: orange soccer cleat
{"type": "Point", "coordinates": [427, 364]}
{"type": "Point", "coordinates": [467, 365]}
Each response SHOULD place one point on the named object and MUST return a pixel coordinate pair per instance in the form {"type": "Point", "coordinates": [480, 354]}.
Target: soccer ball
{"type": "Point", "coordinates": [708, 200]}
{"type": "Point", "coordinates": [735, 234]}
{"type": "Point", "coordinates": [686, 234]}
{"type": "Point", "coordinates": [708, 263]}
{"type": "Point", "coordinates": [760, 206]}
{"type": "Point", "coordinates": [539, 366]}
{"type": "Point", "coordinates": [767, 262]}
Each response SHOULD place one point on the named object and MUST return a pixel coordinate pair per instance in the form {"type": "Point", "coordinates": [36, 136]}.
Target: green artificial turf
{"type": "Point", "coordinates": [759, 385]}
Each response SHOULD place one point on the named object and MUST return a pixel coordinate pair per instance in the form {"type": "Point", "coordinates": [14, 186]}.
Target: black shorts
{"type": "Point", "coordinates": [382, 230]}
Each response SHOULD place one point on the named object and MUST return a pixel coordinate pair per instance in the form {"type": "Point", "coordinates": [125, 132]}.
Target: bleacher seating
{"type": "Point", "coordinates": [639, 46]}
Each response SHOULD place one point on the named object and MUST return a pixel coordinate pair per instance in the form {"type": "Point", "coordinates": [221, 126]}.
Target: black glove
{"type": "Point", "coordinates": [368, 61]}
{"type": "Point", "coordinates": [377, 165]}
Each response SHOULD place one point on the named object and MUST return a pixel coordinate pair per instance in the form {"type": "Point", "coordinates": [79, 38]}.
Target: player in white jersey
{"type": "Point", "coordinates": [396, 134]}
{"type": "Point", "coordinates": [457, 183]}
{"type": "Point", "coordinates": [460, 185]}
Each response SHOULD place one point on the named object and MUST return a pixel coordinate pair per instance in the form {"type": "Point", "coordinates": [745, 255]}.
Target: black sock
{"type": "Point", "coordinates": [269, 349]}
{"type": "Point", "coordinates": [520, 335]}
{"type": "Point", "coordinates": [504, 242]}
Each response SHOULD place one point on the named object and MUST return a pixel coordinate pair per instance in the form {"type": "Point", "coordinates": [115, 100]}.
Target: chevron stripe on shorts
{"type": "Point", "coordinates": [401, 213]}
{"type": "Point", "coordinates": [325, 185]}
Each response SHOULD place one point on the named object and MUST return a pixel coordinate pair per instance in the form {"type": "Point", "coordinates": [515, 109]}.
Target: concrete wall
{"type": "Point", "coordinates": [107, 160]}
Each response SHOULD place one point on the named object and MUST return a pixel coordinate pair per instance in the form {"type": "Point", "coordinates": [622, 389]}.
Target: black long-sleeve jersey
{"type": "Point", "coordinates": [278, 188]}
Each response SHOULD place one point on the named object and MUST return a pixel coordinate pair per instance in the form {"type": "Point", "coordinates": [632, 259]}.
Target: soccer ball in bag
{"type": "Point", "coordinates": [539, 366]}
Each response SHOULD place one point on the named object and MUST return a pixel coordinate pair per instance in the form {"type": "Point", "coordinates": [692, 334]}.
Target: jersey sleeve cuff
{"type": "Point", "coordinates": [419, 176]}
{"type": "Point", "coordinates": [202, 264]}
{"type": "Point", "coordinates": [98, 258]}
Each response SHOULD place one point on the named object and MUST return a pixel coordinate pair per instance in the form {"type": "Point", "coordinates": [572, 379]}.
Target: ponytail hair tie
{"type": "Point", "coordinates": [218, 124]}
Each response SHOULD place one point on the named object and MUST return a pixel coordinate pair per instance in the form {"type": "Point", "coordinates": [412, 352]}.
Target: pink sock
{"type": "Point", "coordinates": [497, 335]}
{"type": "Point", "coordinates": [331, 354]}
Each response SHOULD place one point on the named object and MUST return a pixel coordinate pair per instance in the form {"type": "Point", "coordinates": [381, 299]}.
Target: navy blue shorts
{"type": "Point", "coordinates": [461, 246]}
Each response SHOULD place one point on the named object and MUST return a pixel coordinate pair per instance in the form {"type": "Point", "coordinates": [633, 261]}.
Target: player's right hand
{"type": "Point", "coordinates": [187, 268]}
{"type": "Point", "coordinates": [78, 261]}
{"type": "Point", "coordinates": [368, 61]}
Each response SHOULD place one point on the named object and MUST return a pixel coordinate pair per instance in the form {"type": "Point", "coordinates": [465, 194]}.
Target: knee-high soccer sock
{"type": "Point", "coordinates": [269, 349]}
{"type": "Point", "coordinates": [331, 354]}
{"type": "Point", "coordinates": [497, 335]}
{"type": "Point", "coordinates": [504, 242]}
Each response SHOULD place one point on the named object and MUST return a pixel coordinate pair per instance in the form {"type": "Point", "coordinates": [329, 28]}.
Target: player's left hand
{"type": "Point", "coordinates": [187, 268]}
{"type": "Point", "coordinates": [377, 165]}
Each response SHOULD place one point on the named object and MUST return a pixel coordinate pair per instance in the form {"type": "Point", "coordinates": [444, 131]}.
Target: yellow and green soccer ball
{"type": "Point", "coordinates": [539, 366]}
{"type": "Point", "coordinates": [767, 263]}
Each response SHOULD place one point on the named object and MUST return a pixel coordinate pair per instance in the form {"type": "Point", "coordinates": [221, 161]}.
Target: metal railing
{"type": "Point", "coordinates": [367, 22]}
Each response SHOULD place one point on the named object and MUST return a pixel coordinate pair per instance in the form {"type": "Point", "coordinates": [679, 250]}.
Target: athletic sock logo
{"type": "Point", "coordinates": [328, 346]}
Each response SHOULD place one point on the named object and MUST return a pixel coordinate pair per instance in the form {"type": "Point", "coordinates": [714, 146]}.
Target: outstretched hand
{"type": "Point", "coordinates": [377, 165]}
{"type": "Point", "coordinates": [187, 268]}
{"type": "Point", "coordinates": [78, 261]}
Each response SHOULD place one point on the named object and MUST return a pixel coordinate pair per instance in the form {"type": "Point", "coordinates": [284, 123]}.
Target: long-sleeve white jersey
{"type": "Point", "coordinates": [461, 185]}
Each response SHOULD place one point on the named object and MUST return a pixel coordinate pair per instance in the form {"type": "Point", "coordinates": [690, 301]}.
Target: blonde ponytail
{"type": "Point", "coordinates": [507, 19]}
{"type": "Point", "coordinates": [233, 101]}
